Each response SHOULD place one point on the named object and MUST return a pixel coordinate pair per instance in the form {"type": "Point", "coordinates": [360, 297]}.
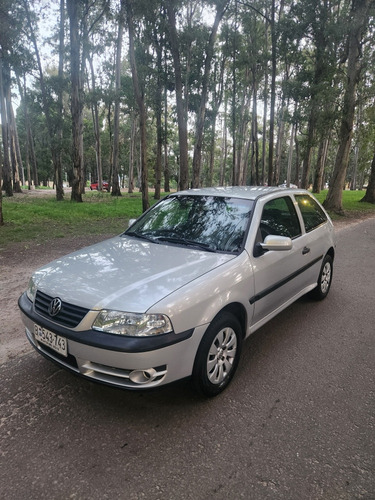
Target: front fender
{"type": "Point", "coordinates": [198, 302]}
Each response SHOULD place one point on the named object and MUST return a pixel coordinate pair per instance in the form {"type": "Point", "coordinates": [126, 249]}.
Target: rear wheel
{"type": "Point", "coordinates": [324, 279]}
{"type": "Point", "coordinates": [218, 355]}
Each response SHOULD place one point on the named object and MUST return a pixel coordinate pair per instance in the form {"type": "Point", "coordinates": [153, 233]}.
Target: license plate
{"type": "Point", "coordinates": [52, 340]}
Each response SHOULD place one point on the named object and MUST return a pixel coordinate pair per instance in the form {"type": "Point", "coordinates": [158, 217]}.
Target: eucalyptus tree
{"type": "Point", "coordinates": [75, 14]}
{"type": "Point", "coordinates": [140, 99]}
{"type": "Point", "coordinates": [359, 20]}
{"type": "Point", "coordinates": [116, 191]}
{"type": "Point", "coordinates": [171, 7]}
{"type": "Point", "coordinates": [54, 124]}
{"type": "Point", "coordinates": [11, 29]}
{"type": "Point", "coordinates": [6, 170]}
{"type": "Point", "coordinates": [370, 191]}
{"type": "Point", "coordinates": [319, 34]}
{"type": "Point", "coordinates": [220, 8]}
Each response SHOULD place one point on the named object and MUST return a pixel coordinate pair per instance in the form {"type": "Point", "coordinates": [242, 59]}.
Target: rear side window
{"type": "Point", "coordinates": [313, 215]}
{"type": "Point", "coordinates": [279, 218]}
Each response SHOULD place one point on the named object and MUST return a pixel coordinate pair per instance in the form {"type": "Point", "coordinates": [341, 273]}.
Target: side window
{"type": "Point", "coordinates": [311, 212]}
{"type": "Point", "coordinates": [279, 218]}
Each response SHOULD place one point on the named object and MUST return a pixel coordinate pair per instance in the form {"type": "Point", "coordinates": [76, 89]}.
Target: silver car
{"type": "Point", "coordinates": [177, 293]}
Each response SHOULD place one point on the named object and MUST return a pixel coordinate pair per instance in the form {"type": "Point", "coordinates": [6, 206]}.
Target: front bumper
{"type": "Point", "coordinates": [132, 363]}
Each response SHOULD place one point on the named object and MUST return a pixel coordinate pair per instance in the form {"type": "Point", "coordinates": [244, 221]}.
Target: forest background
{"type": "Point", "coordinates": [175, 94]}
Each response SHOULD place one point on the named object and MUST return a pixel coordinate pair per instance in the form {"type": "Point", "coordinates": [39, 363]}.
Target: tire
{"type": "Point", "coordinates": [218, 355]}
{"type": "Point", "coordinates": [324, 279]}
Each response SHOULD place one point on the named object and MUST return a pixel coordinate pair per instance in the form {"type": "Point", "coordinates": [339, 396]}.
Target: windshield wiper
{"type": "Point", "coordinates": [141, 236]}
{"type": "Point", "coordinates": [187, 242]}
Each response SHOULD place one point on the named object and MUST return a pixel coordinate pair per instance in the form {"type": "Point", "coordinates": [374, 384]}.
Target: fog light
{"type": "Point", "coordinates": [142, 376]}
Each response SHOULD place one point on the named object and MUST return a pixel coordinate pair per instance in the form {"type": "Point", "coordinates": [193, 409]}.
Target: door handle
{"type": "Point", "coordinates": [305, 250]}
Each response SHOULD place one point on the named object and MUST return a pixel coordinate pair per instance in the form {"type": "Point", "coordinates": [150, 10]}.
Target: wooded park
{"type": "Point", "coordinates": [174, 94]}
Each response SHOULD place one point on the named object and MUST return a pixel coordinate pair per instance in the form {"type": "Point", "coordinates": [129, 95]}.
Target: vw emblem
{"type": "Point", "coordinates": [55, 307]}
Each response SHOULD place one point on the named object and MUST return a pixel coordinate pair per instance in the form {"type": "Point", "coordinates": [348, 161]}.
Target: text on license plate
{"type": "Point", "coordinates": [52, 340]}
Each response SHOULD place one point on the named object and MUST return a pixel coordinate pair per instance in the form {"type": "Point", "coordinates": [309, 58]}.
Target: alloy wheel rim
{"type": "Point", "coordinates": [221, 355]}
{"type": "Point", "coordinates": [326, 277]}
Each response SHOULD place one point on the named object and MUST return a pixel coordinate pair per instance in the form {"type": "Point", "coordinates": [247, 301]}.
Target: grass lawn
{"type": "Point", "coordinates": [40, 217]}
{"type": "Point", "coordinates": [32, 217]}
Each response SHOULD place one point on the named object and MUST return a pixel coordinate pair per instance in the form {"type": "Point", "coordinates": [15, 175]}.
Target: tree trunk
{"type": "Point", "coordinates": [273, 94]}
{"type": "Point", "coordinates": [6, 174]}
{"type": "Point", "coordinates": [254, 134]}
{"type": "Point", "coordinates": [224, 147]}
{"type": "Point", "coordinates": [139, 96]}
{"type": "Point", "coordinates": [23, 93]}
{"type": "Point", "coordinates": [181, 116]}
{"type": "Point", "coordinates": [358, 26]}
{"type": "Point", "coordinates": [235, 172]}
{"type": "Point", "coordinates": [158, 112]}
{"type": "Point", "coordinates": [96, 125]}
{"type": "Point", "coordinates": [279, 144]}
{"type": "Point", "coordinates": [76, 101]}
{"type": "Point", "coordinates": [296, 179]}
{"type": "Point", "coordinates": [52, 136]}
{"type": "Point", "coordinates": [290, 155]}
{"type": "Point", "coordinates": [166, 162]}
{"type": "Point", "coordinates": [131, 153]}
{"type": "Point", "coordinates": [322, 155]}
{"type": "Point", "coordinates": [59, 131]}
{"type": "Point", "coordinates": [15, 152]}
{"type": "Point", "coordinates": [116, 191]}
{"type": "Point", "coordinates": [370, 191]}
{"type": "Point", "coordinates": [197, 157]}
{"type": "Point", "coordinates": [265, 111]}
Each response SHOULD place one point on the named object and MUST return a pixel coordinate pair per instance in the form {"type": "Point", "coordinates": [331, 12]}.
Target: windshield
{"type": "Point", "coordinates": [212, 223]}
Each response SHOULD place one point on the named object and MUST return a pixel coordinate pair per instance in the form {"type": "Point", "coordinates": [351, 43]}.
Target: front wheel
{"type": "Point", "coordinates": [324, 279]}
{"type": "Point", "coordinates": [218, 355]}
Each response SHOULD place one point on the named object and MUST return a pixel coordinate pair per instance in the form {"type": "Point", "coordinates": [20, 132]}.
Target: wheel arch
{"type": "Point", "coordinates": [239, 312]}
{"type": "Point", "coordinates": [331, 253]}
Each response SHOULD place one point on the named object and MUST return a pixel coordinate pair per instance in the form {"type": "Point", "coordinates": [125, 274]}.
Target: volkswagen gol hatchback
{"type": "Point", "coordinates": [176, 294]}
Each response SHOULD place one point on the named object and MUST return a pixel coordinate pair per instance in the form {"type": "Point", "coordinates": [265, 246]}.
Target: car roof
{"type": "Point", "coordinates": [248, 192]}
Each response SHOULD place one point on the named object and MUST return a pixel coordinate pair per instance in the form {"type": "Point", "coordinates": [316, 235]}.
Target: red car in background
{"type": "Point", "coordinates": [95, 185]}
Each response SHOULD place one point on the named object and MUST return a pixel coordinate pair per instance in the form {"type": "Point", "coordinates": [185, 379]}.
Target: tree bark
{"type": "Point", "coordinates": [132, 152]}
{"type": "Point", "coordinates": [158, 112]}
{"type": "Point", "coordinates": [59, 131]}
{"type": "Point", "coordinates": [358, 25]}
{"type": "Point", "coordinates": [166, 162]}
{"type": "Point", "coordinates": [370, 191]}
{"type": "Point", "coordinates": [197, 157]}
{"type": "Point", "coordinates": [116, 191]}
{"type": "Point", "coordinates": [15, 152]}
{"type": "Point", "coordinates": [52, 136]}
{"type": "Point", "coordinates": [139, 95]}
{"type": "Point", "coordinates": [95, 119]}
{"type": "Point", "coordinates": [319, 171]}
{"type": "Point", "coordinates": [273, 94]}
{"type": "Point", "coordinates": [76, 101]}
{"type": "Point", "coordinates": [6, 175]}
{"type": "Point", "coordinates": [181, 116]}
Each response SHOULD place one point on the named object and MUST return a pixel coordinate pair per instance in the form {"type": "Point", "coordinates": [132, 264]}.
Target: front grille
{"type": "Point", "coordinates": [69, 315]}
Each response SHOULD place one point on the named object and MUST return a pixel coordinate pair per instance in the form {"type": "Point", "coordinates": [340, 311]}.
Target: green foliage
{"type": "Point", "coordinates": [304, 30]}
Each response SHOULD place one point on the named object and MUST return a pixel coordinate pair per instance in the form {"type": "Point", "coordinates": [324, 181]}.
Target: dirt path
{"type": "Point", "coordinates": [18, 261]}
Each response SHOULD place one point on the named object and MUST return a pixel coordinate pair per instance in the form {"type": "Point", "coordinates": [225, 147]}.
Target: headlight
{"type": "Point", "coordinates": [132, 324]}
{"type": "Point", "coordinates": [31, 289]}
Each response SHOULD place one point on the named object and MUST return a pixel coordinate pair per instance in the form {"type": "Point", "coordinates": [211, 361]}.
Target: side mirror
{"type": "Point", "coordinates": [131, 222]}
{"type": "Point", "coordinates": [273, 242]}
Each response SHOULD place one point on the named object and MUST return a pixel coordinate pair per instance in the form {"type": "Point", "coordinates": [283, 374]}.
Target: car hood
{"type": "Point", "coordinates": [124, 273]}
